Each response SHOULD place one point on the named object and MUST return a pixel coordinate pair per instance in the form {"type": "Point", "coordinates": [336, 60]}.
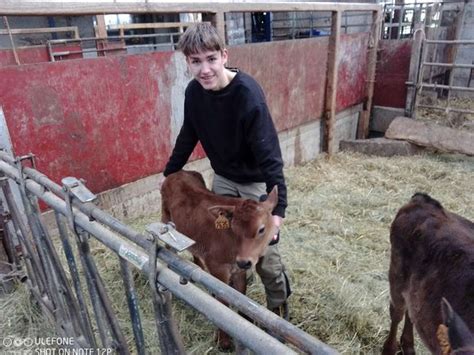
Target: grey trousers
{"type": "Point", "coordinates": [270, 267]}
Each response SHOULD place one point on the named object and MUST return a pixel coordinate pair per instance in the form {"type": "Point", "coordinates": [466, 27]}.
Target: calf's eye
{"type": "Point", "coordinates": [261, 230]}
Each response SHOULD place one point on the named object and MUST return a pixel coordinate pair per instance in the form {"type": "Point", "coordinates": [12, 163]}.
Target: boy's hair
{"type": "Point", "coordinates": [200, 37]}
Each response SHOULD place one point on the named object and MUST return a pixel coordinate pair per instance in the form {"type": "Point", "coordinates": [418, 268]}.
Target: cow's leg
{"type": "Point", "coordinates": [390, 347]}
{"type": "Point", "coordinates": [222, 272]}
{"type": "Point", "coordinates": [397, 303]}
{"type": "Point", "coordinates": [239, 281]}
{"type": "Point", "coordinates": [406, 341]}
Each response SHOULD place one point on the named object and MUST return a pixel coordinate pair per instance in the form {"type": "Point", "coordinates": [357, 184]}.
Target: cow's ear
{"type": "Point", "coordinates": [222, 215]}
{"type": "Point", "coordinates": [227, 211]}
{"type": "Point", "coordinates": [272, 198]}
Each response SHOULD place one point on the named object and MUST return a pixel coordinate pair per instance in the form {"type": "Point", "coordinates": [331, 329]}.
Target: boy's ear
{"type": "Point", "coordinates": [225, 55]}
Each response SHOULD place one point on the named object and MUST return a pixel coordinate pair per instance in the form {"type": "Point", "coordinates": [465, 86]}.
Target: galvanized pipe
{"type": "Point", "coordinates": [132, 306]}
{"type": "Point", "coordinates": [449, 109]}
{"type": "Point", "coordinates": [441, 41]}
{"type": "Point", "coordinates": [84, 317]}
{"type": "Point", "coordinates": [450, 87]}
{"type": "Point", "coordinates": [170, 339]}
{"type": "Point", "coordinates": [190, 271]}
{"type": "Point", "coordinates": [31, 258]}
{"type": "Point", "coordinates": [449, 65]}
{"type": "Point", "coordinates": [118, 339]}
{"type": "Point", "coordinates": [251, 336]}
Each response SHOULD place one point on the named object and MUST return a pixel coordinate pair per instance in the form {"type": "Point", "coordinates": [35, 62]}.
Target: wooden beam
{"type": "Point", "coordinates": [331, 83]}
{"type": "Point", "coordinates": [363, 127]}
{"type": "Point", "coordinates": [131, 26]}
{"type": "Point", "coordinates": [65, 7]}
{"type": "Point", "coordinates": [16, 31]}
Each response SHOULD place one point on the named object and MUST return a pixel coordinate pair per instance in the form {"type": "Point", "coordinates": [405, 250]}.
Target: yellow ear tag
{"type": "Point", "coordinates": [443, 339]}
{"type": "Point", "coordinates": [222, 222]}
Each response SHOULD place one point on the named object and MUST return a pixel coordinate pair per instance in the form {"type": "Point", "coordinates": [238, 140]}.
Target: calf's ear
{"type": "Point", "coordinates": [272, 198]}
{"type": "Point", "coordinates": [223, 215]}
{"type": "Point", "coordinates": [227, 211]}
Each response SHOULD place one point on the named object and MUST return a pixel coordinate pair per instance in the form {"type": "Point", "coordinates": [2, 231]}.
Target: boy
{"type": "Point", "coordinates": [226, 111]}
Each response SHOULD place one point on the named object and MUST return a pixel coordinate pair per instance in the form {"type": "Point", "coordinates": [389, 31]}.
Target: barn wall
{"type": "Point", "coordinates": [114, 120]}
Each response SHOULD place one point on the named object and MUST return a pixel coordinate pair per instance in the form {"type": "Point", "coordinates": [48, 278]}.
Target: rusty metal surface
{"type": "Point", "coordinates": [392, 72]}
{"type": "Point", "coordinates": [105, 120]}
{"type": "Point", "coordinates": [32, 55]}
{"type": "Point", "coordinates": [293, 75]}
{"type": "Point", "coordinates": [352, 70]}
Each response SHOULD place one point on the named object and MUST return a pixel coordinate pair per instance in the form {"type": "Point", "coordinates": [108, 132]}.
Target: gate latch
{"type": "Point", "coordinates": [78, 189]}
{"type": "Point", "coordinates": [169, 235]}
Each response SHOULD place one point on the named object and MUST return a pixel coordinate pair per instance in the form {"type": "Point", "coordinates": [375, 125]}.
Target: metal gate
{"type": "Point", "coordinates": [74, 295]}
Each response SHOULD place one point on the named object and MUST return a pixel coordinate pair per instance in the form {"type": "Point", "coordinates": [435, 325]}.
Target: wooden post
{"type": "Point", "coordinates": [414, 68]}
{"type": "Point", "coordinates": [7, 25]}
{"type": "Point", "coordinates": [219, 22]}
{"type": "Point", "coordinates": [216, 19]}
{"type": "Point", "coordinates": [101, 32]}
{"type": "Point", "coordinates": [363, 127]}
{"type": "Point", "coordinates": [331, 82]}
{"type": "Point", "coordinates": [452, 54]}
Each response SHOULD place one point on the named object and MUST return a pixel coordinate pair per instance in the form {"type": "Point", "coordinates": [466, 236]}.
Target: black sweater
{"type": "Point", "coordinates": [237, 133]}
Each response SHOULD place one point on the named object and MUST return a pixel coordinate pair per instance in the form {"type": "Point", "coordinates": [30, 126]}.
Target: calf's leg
{"type": "Point", "coordinates": [222, 273]}
{"type": "Point", "coordinates": [406, 341]}
{"type": "Point", "coordinates": [390, 347]}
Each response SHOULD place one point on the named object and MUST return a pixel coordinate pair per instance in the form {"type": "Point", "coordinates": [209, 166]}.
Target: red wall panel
{"type": "Point", "coordinates": [293, 75]}
{"type": "Point", "coordinates": [106, 120]}
{"type": "Point", "coordinates": [39, 54]}
{"type": "Point", "coordinates": [393, 66]}
{"type": "Point", "coordinates": [352, 70]}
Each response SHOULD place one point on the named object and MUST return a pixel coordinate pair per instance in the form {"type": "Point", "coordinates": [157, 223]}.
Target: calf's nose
{"type": "Point", "coordinates": [244, 264]}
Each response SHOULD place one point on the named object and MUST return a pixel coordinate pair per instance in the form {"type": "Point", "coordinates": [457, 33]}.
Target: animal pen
{"type": "Point", "coordinates": [112, 119]}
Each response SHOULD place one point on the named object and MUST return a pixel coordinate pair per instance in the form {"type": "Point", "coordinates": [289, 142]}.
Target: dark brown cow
{"type": "Point", "coordinates": [231, 233]}
{"type": "Point", "coordinates": [432, 257]}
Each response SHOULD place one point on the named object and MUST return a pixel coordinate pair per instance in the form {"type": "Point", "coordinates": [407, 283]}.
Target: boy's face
{"type": "Point", "coordinates": [208, 68]}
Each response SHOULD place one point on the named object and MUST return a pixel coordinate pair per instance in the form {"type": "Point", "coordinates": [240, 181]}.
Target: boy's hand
{"type": "Point", "coordinates": [161, 180]}
{"type": "Point", "coordinates": [278, 222]}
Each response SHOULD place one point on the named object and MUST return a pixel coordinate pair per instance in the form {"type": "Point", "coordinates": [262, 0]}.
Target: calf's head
{"type": "Point", "coordinates": [251, 223]}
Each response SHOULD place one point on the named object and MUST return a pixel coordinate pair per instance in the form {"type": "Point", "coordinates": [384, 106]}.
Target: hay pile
{"type": "Point", "coordinates": [335, 246]}
{"type": "Point", "coordinates": [459, 120]}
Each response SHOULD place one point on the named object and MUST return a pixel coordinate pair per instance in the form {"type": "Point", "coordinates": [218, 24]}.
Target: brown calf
{"type": "Point", "coordinates": [432, 256]}
{"type": "Point", "coordinates": [231, 233]}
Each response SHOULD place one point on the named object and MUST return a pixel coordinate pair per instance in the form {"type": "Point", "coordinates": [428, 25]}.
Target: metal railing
{"type": "Point", "coordinates": [64, 298]}
{"type": "Point", "coordinates": [400, 20]}
{"type": "Point", "coordinates": [449, 87]}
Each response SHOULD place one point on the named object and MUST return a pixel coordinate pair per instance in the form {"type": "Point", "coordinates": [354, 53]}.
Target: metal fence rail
{"type": "Point", "coordinates": [447, 87]}
{"type": "Point", "coordinates": [64, 298]}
